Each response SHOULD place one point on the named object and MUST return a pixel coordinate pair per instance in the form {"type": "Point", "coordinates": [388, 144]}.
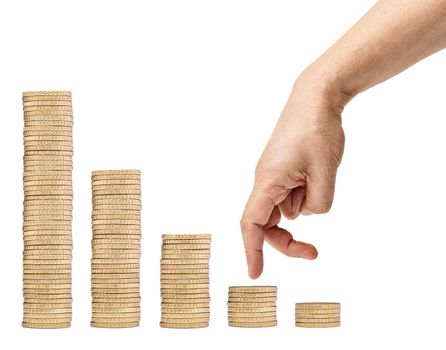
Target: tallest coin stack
{"type": "Point", "coordinates": [47, 211]}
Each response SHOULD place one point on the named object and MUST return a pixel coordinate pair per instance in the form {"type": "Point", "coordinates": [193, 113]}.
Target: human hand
{"type": "Point", "coordinates": [295, 174]}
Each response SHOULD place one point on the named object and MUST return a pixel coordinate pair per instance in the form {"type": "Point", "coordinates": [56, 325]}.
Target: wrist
{"type": "Point", "coordinates": [325, 86]}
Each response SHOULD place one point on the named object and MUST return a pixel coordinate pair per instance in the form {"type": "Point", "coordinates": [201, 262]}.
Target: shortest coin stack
{"type": "Point", "coordinates": [318, 315]}
{"type": "Point", "coordinates": [252, 306]}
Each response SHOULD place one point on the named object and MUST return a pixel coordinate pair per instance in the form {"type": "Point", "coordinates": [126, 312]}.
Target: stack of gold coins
{"type": "Point", "coordinates": [47, 211]}
{"type": "Point", "coordinates": [252, 306]}
{"type": "Point", "coordinates": [318, 315]}
{"type": "Point", "coordinates": [116, 246]}
{"type": "Point", "coordinates": [185, 281]}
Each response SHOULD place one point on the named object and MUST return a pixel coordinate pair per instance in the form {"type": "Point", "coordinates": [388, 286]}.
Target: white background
{"type": "Point", "coordinates": [189, 91]}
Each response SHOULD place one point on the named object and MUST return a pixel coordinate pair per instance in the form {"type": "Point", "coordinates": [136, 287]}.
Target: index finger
{"type": "Point", "coordinates": [257, 213]}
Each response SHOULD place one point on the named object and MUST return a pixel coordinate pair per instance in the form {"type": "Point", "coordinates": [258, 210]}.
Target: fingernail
{"type": "Point", "coordinates": [306, 213]}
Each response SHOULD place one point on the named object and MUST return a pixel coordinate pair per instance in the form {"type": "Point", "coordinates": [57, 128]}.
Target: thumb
{"type": "Point", "coordinates": [319, 194]}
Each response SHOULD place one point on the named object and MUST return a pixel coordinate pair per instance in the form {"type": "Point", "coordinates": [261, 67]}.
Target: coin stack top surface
{"type": "Point", "coordinates": [116, 245]}
{"type": "Point", "coordinates": [252, 306]}
{"type": "Point", "coordinates": [47, 209]}
{"type": "Point", "coordinates": [185, 299]}
{"type": "Point", "coordinates": [318, 315]}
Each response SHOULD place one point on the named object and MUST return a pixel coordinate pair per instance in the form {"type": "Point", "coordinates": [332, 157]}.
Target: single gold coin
{"type": "Point", "coordinates": [115, 276]}
{"type": "Point", "coordinates": [172, 317]}
{"type": "Point", "coordinates": [317, 306]}
{"type": "Point", "coordinates": [166, 257]}
{"type": "Point", "coordinates": [190, 266]}
{"type": "Point", "coordinates": [115, 177]}
{"type": "Point", "coordinates": [251, 304]}
{"type": "Point", "coordinates": [185, 321]}
{"type": "Point", "coordinates": [47, 108]}
{"type": "Point", "coordinates": [252, 319]}
{"type": "Point", "coordinates": [47, 98]}
{"type": "Point", "coordinates": [318, 320]}
{"type": "Point", "coordinates": [101, 218]}
{"type": "Point", "coordinates": [107, 187]}
{"type": "Point", "coordinates": [135, 305]}
{"type": "Point", "coordinates": [116, 286]}
{"type": "Point", "coordinates": [172, 283]}
{"type": "Point", "coordinates": [47, 123]}
{"type": "Point", "coordinates": [186, 311]}
{"type": "Point", "coordinates": [187, 241]}
{"type": "Point", "coordinates": [115, 236]}
{"type": "Point", "coordinates": [168, 291]}
{"type": "Point", "coordinates": [180, 301]}
{"type": "Point", "coordinates": [318, 315]}
{"type": "Point", "coordinates": [130, 316]}
{"type": "Point", "coordinates": [122, 319]}
{"type": "Point", "coordinates": [183, 286]}
{"type": "Point", "coordinates": [116, 172]}
{"type": "Point", "coordinates": [252, 324]}
{"type": "Point", "coordinates": [184, 325]}
{"type": "Point", "coordinates": [251, 299]}
{"type": "Point", "coordinates": [114, 300]}
{"type": "Point", "coordinates": [46, 93]}
{"type": "Point", "coordinates": [191, 306]}
{"type": "Point", "coordinates": [186, 236]}
{"type": "Point", "coordinates": [167, 246]}
{"type": "Point", "coordinates": [184, 271]}
{"type": "Point", "coordinates": [117, 256]}
{"type": "Point", "coordinates": [116, 241]}
{"type": "Point", "coordinates": [116, 207]}
{"type": "Point", "coordinates": [253, 289]}
{"type": "Point", "coordinates": [252, 295]}
{"type": "Point", "coordinates": [115, 270]}
{"type": "Point", "coordinates": [120, 246]}
{"type": "Point", "coordinates": [97, 324]}
{"type": "Point", "coordinates": [184, 262]}
{"type": "Point", "coordinates": [247, 317]}
{"type": "Point", "coordinates": [119, 201]}
{"type": "Point", "coordinates": [46, 325]}
{"type": "Point", "coordinates": [32, 103]}
{"type": "Point", "coordinates": [116, 227]}
{"type": "Point", "coordinates": [251, 309]}
{"type": "Point", "coordinates": [116, 182]}
{"type": "Point", "coordinates": [179, 279]}
{"type": "Point", "coordinates": [182, 297]}
{"type": "Point", "coordinates": [318, 325]}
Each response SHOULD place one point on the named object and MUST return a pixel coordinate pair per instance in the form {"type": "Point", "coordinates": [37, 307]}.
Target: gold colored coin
{"type": "Point", "coordinates": [47, 98]}
{"type": "Point", "coordinates": [318, 325]}
{"type": "Point", "coordinates": [185, 246]}
{"type": "Point", "coordinates": [169, 262]}
{"type": "Point", "coordinates": [116, 182]}
{"type": "Point", "coordinates": [191, 266]}
{"type": "Point", "coordinates": [317, 306]}
{"type": "Point", "coordinates": [178, 301]}
{"type": "Point", "coordinates": [191, 306]}
{"type": "Point", "coordinates": [97, 324]}
{"type": "Point", "coordinates": [167, 291]}
{"type": "Point", "coordinates": [253, 289]}
{"type": "Point", "coordinates": [172, 283]}
{"type": "Point", "coordinates": [173, 317]}
{"type": "Point", "coordinates": [47, 93]}
{"type": "Point", "coordinates": [251, 304]}
{"type": "Point", "coordinates": [251, 299]}
{"type": "Point", "coordinates": [184, 286]}
{"type": "Point", "coordinates": [179, 279]}
{"type": "Point", "coordinates": [318, 320]}
{"type": "Point", "coordinates": [184, 325]}
{"type": "Point", "coordinates": [186, 241]}
{"type": "Point", "coordinates": [185, 271]}
{"type": "Point", "coordinates": [185, 236]}
{"type": "Point", "coordinates": [116, 172]}
{"type": "Point", "coordinates": [186, 311]}
{"type": "Point", "coordinates": [251, 309]}
{"type": "Point", "coordinates": [46, 325]}
{"type": "Point", "coordinates": [252, 324]}
{"type": "Point", "coordinates": [244, 316]}
{"type": "Point", "coordinates": [183, 297]}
